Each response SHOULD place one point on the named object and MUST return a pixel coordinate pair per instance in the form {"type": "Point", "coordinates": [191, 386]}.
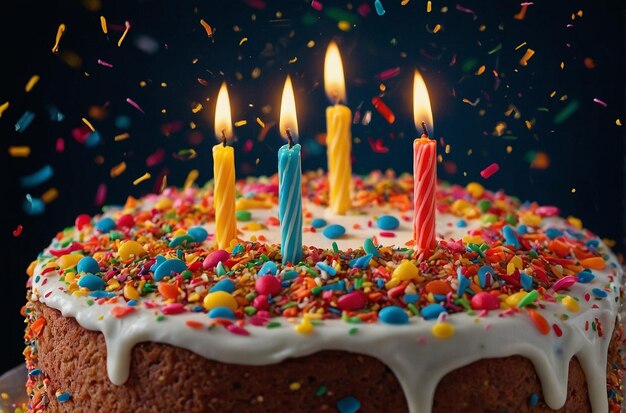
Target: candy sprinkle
{"type": "Point", "coordinates": [134, 104]}
{"type": "Point", "coordinates": [18, 231]}
{"type": "Point", "coordinates": [600, 102]}
{"type": "Point", "coordinates": [380, 10]}
{"type": "Point", "coordinates": [490, 170]}
{"type": "Point", "coordinates": [348, 405]}
{"type": "Point", "coordinates": [524, 60]}
{"type": "Point", "coordinates": [89, 125]}
{"type": "Point", "coordinates": [127, 24]}
{"type": "Point", "coordinates": [207, 27]}
{"type": "Point", "coordinates": [37, 178]}
{"type": "Point", "coordinates": [33, 81]}
{"type": "Point", "coordinates": [103, 24]}
{"type": "Point", "coordinates": [142, 178]}
{"type": "Point", "coordinates": [5, 106]}
{"type": "Point", "coordinates": [60, 31]}
{"type": "Point", "coordinates": [24, 122]}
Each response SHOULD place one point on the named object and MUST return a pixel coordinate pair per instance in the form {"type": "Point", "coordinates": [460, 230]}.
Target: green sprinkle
{"type": "Point", "coordinates": [265, 258]}
{"type": "Point", "coordinates": [335, 247]}
{"type": "Point", "coordinates": [90, 302]}
{"type": "Point", "coordinates": [273, 324]}
{"type": "Point", "coordinates": [186, 274]}
{"type": "Point", "coordinates": [533, 253]}
{"type": "Point", "coordinates": [249, 310]}
{"type": "Point", "coordinates": [353, 331]}
{"type": "Point", "coordinates": [358, 283]}
{"type": "Point", "coordinates": [288, 305]}
{"type": "Point", "coordinates": [250, 296]}
{"type": "Point", "coordinates": [484, 205]}
{"type": "Point", "coordinates": [160, 318]}
{"type": "Point", "coordinates": [566, 112]}
{"type": "Point", "coordinates": [243, 216]}
{"type": "Point", "coordinates": [528, 299]}
{"type": "Point", "coordinates": [316, 290]}
{"type": "Point", "coordinates": [413, 309]}
{"type": "Point", "coordinates": [321, 391]}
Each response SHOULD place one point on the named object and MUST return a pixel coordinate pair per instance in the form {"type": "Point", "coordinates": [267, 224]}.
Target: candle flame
{"type": "Point", "coordinates": [223, 120]}
{"type": "Point", "coordinates": [288, 119]}
{"type": "Point", "coordinates": [421, 104]}
{"type": "Point", "coordinates": [334, 83]}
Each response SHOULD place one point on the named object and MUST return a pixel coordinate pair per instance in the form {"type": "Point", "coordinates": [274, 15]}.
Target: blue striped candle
{"type": "Point", "coordinates": [290, 202]}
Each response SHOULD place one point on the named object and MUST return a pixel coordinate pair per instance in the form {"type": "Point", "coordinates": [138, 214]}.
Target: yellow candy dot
{"type": "Point", "coordinates": [305, 327]}
{"type": "Point", "coordinates": [514, 299]}
{"type": "Point", "coordinates": [255, 226]}
{"type": "Point", "coordinates": [459, 206]}
{"type": "Point", "coordinates": [575, 222]}
{"type": "Point", "coordinates": [531, 219]}
{"type": "Point", "coordinates": [130, 249]}
{"type": "Point", "coordinates": [69, 260]}
{"type": "Point", "coordinates": [163, 203]}
{"type": "Point", "coordinates": [193, 297]}
{"type": "Point", "coordinates": [31, 268]}
{"type": "Point", "coordinates": [295, 386]}
{"type": "Point", "coordinates": [220, 299]}
{"type": "Point", "coordinates": [571, 304]}
{"type": "Point", "coordinates": [406, 271]}
{"type": "Point", "coordinates": [130, 292]}
{"type": "Point", "coordinates": [70, 277]}
{"type": "Point", "coordinates": [443, 330]}
{"type": "Point", "coordinates": [475, 189]}
{"type": "Point", "coordinates": [178, 233]}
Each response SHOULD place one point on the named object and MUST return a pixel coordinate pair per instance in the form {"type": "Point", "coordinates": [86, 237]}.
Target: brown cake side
{"type": "Point", "coordinates": [165, 378]}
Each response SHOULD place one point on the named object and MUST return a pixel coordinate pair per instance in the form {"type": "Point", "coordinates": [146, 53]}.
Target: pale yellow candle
{"type": "Point", "coordinates": [338, 134]}
{"type": "Point", "coordinates": [224, 174]}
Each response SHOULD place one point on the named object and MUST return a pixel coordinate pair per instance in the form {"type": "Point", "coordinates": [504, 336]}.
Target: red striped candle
{"type": "Point", "coordinates": [425, 184]}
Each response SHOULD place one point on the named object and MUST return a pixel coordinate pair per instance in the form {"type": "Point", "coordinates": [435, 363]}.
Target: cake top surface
{"type": "Point", "coordinates": [153, 262]}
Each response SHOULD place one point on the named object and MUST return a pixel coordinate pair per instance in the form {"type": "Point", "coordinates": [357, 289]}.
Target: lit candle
{"type": "Point", "coordinates": [424, 172]}
{"type": "Point", "coordinates": [224, 173]}
{"type": "Point", "coordinates": [289, 181]}
{"type": "Point", "coordinates": [338, 136]}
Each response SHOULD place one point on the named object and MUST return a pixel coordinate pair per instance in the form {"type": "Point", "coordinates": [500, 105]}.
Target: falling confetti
{"type": "Point", "coordinates": [380, 10]}
{"type": "Point", "coordinates": [118, 169]}
{"type": "Point", "coordinates": [89, 125]}
{"type": "Point", "coordinates": [18, 231]}
{"type": "Point", "coordinates": [134, 104]}
{"type": "Point", "coordinates": [207, 28]}
{"type": "Point", "coordinates": [103, 24]}
{"type": "Point", "coordinates": [524, 60]}
{"type": "Point", "coordinates": [24, 122]}
{"type": "Point", "coordinates": [127, 28]}
{"type": "Point", "coordinates": [37, 178]}
{"type": "Point", "coordinates": [19, 151]}
{"type": "Point", "coordinates": [4, 107]}
{"type": "Point", "coordinates": [600, 102]}
{"type": "Point", "coordinates": [142, 178]}
{"type": "Point", "coordinates": [60, 31]}
{"type": "Point", "coordinates": [103, 63]}
{"type": "Point", "coordinates": [383, 109]}
{"type": "Point", "coordinates": [191, 178]}
{"type": "Point", "coordinates": [31, 83]}
{"type": "Point", "coordinates": [101, 194]}
{"type": "Point", "coordinates": [490, 170]}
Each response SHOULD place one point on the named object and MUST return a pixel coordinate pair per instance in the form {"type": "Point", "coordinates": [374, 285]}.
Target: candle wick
{"type": "Point", "coordinates": [289, 138]}
{"type": "Point", "coordinates": [223, 137]}
{"type": "Point", "coordinates": [424, 129]}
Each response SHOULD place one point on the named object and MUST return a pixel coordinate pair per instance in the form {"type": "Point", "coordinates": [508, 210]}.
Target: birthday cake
{"type": "Point", "coordinates": [515, 309]}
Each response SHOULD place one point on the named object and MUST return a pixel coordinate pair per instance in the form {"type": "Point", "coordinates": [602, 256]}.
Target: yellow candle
{"type": "Point", "coordinates": [338, 135]}
{"type": "Point", "coordinates": [224, 174]}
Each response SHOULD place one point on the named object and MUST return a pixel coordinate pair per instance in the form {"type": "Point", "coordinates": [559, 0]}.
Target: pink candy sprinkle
{"type": "Point", "coordinates": [564, 283]}
{"type": "Point", "coordinates": [105, 64]}
{"type": "Point", "coordinates": [600, 102]}
{"type": "Point", "coordinates": [490, 170]}
{"type": "Point", "coordinates": [60, 146]}
{"type": "Point", "coordinates": [155, 158]}
{"type": "Point", "coordinates": [175, 308]}
{"type": "Point", "coordinates": [316, 5]}
{"type": "Point", "coordinates": [547, 211]}
{"type": "Point", "coordinates": [134, 104]}
{"type": "Point", "coordinates": [101, 194]}
{"type": "Point", "coordinates": [388, 74]}
{"type": "Point", "coordinates": [484, 301]}
{"type": "Point", "coordinates": [387, 234]}
{"type": "Point", "coordinates": [237, 330]}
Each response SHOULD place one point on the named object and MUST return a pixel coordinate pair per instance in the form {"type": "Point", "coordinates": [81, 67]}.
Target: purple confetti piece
{"type": "Point", "coordinates": [135, 105]}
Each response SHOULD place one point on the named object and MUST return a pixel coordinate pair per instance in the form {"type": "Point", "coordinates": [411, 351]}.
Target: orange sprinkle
{"type": "Point", "coordinates": [540, 322]}
{"type": "Point", "coordinates": [31, 83]}
{"type": "Point", "coordinates": [119, 42]}
{"type": "Point", "coordinates": [168, 290]}
{"type": "Point", "coordinates": [522, 13]}
{"type": "Point", "coordinates": [438, 287]}
{"type": "Point", "coordinates": [37, 327]}
{"type": "Point", "coordinates": [194, 324]}
{"type": "Point", "coordinates": [120, 311]}
{"type": "Point", "coordinates": [207, 27]}
{"type": "Point", "coordinates": [103, 23]}
{"type": "Point", "coordinates": [4, 107]}
{"type": "Point", "coordinates": [50, 195]}
{"type": "Point", "coordinates": [89, 125]}
{"type": "Point", "coordinates": [19, 151]}
{"type": "Point", "coordinates": [142, 178]}
{"type": "Point", "coordinates": [595, 263]}
{"type": "Point", "coordinates": [118, 169]}
{"type": "Point", "coordinates": [121, 137]}
{"type": "Point", "coordinates": [480, 70]}
{"type": "Point", "coordinates": [60, 31]}
{"type": "Point", "coordinates": [524, 60]}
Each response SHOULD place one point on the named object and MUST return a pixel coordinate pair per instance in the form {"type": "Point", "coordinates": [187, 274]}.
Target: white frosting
{"type": "Point", "coordinates": [417, 358]}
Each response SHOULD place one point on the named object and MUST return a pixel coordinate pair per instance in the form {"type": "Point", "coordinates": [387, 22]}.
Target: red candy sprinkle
{"type": "Point", "coordinates": [18, 231]}
{"type": "Point", "coordinates": [490, 170]}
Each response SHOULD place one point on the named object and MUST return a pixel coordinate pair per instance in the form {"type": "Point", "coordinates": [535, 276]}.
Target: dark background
{"type": "Point", "coordinates": [585, 149]}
